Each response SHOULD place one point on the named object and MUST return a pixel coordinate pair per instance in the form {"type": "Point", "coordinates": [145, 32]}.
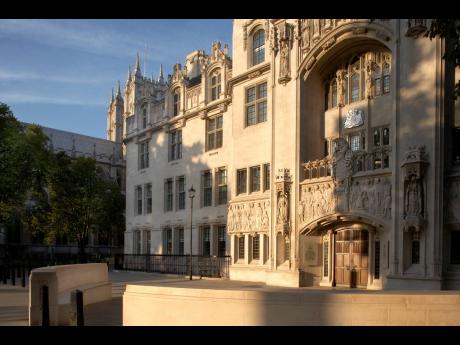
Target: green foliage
{"type": "Point", "coordinates": [24, 162]}
{"type": "Point", "coordinates": [450, 30]}
{"type": "Point", "coordinates": [83, 200]}
{"type": "Point", "coordinates": [53, 194]}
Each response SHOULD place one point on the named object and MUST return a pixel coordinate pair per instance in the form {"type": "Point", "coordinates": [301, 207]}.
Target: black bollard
{"type": "Point", "coordinates": [13, 276]}
{"type": "Point", "coordinates": [80, 317]}
{"type": "Point", "coordinates": [4, 268]}
{"type": "Point", "coordinates": [23, 276]}
{"type": "Point", "coordinates": [18, 273]}
{"type": "Point", "coordinates": [45, 307]}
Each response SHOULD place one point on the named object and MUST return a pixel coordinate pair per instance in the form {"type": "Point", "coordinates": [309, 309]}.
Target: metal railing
{"type": "Point", "coordinates": [203, 266]}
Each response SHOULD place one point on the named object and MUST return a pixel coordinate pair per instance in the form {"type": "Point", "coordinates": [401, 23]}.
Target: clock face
{"type": "Point", "coordinates": [354, 118]}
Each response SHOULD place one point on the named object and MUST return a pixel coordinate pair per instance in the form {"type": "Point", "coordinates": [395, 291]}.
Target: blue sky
{"type": "Point", "coordinates": [60, 73]}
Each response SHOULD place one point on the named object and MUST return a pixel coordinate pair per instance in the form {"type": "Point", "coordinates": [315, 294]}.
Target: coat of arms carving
{"type": "Point", "coordinates": [354, 118]}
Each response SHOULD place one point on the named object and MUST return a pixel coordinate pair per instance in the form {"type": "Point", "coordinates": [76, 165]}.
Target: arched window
{"type": "Point", "coordinates": [386, 78]}
{"type": "Point", "coordinates": [215, 85]}
{"type": "Point", "coordinates": [326, 97]}
{"type": "Point", "coordinates": [355, 80]}
{"type": "Point", "coordinates": [258, 47]}
{"type": "Point", "coordinates": [334, 93]}
{"type": "Point", "coordinates": [176, 105]}
{"type": "Point", "coordinates": [345, 89]}
{"type": "Point", "coordinates": [144, 117]}
{"type": "Point", "coordinates": [378, 81]}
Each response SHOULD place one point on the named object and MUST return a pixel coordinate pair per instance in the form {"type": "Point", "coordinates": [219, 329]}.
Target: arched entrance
{"type": "Point", "coordinates": [351, 252]}
{"type": "Point", "coordinates": [351, 257]}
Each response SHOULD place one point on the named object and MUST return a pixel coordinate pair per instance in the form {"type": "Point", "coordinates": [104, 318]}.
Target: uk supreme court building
{"type": "Point", "coordinates": [321, 151]}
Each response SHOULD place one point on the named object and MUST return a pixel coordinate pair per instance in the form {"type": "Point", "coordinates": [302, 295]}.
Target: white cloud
{"type": "Point", "coordinates": [20, 98]}
{"type": "Point", "coordinates": [75, 34]}
{"type": "Point", "coordinates": [28, 75]}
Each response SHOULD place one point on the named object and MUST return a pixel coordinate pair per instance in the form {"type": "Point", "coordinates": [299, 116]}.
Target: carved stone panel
{"type": "Point", "coordinates": [250, 216]}
{"type": "Point", "coordinates": [371, 195]}
{"type": "Point", "coordinates": [283, 196]}
{"type": "Point", "coordinates": [316, 201]}
{"type": "Point", "coordinates": [354, 118]}
{"type": "Point", "coordinates": [285, 42]}
{"type": "Point", "coordinates": [452, 193]}
{"type": "Point", "coordinates": [414, 167]}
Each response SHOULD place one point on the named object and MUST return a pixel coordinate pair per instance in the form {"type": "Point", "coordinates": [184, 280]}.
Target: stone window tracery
{"type": "Point", "coordinates": [176, 102]}
{"type": "Point", "coordinates": [256, 104]}
{"type": "Point", "coordinates": [215, 85]}
{"type": "Point", "coordinates": [258, 47]}
{"type": "Point", "coordinates": [351, 81]}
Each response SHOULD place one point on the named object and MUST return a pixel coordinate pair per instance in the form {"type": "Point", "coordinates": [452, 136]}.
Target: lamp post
{"type": "Point", "coordinates": [191, 195]}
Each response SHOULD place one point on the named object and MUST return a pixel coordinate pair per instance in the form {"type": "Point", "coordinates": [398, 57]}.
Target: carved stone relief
{"type": "Point", "coordinates": [343, 191]}
{"type": "Point", "coordinates": [316, 201]}
{"type": "Point", "coordinates": [285, 42]}
{"type": "Point", "coordinates": [414, 167]}
{"type": "Point", "coordinates": [354, 118]}
{"type": "Point", "coordinates": [253, 216]}
{"type": "Point", "coordinates": [369, 78]}
{"type": "Point", "coordinates": [283, 191]}
{"type": "Point", "coordinates": [371, 195]}
{"type": "Point", "coordinates": [453, 201]}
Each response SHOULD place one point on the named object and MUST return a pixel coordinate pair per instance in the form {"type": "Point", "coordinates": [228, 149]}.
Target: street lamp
{"type": "Point", "coordinates": [191, 195]}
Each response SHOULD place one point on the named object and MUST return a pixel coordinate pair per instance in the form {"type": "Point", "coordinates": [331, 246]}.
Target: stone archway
{"type": "Point", "coordinates": [347, 252]}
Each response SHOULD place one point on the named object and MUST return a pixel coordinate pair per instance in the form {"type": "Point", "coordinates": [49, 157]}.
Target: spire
{"type": "Point", "coordinates": [137, 70]}
{"type": "Point", "coordinates": [160, 74]}
{"type": "Point", "coordinates": [118, 89]}
{"type": "Point", "coordinates": [129, 73]}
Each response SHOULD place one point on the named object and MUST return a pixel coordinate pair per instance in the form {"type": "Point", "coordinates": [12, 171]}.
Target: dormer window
{"type": "Point", "coordinates": [215, 85]}
{"type": "Point", "coordinates": [258, 47]}
{"type": "Point", "coordinates": [176, 102]}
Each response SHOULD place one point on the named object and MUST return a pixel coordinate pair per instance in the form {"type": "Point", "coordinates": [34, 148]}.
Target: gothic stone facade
{"type": "Point", "coordinates": [323, 154]}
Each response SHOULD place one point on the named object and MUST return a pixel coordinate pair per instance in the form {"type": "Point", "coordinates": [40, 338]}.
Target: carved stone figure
{"type": "Point", "coordinates": [316, 29]}
{"type": "Point", "coordinates": [230, 218]}
{"type": "Point", "coordinates": [284, 59]}
{"type": "Point", "coordinates": [305, 34]}
{"type": "Point", "coordinates": [369, 79]}
{"type": "Point", "coordinates": [413, 196]}
{"type": "Point", "coordinates": [355, 196]}
{"type": "Point", "coordinates": [282, 210]}
{"type": "Point", "coordinates": [387, 202]}
{"type": "Point", "coordinates": [258, 223]}
{"type": "Point", "coordinates": [265, 217]}
{"type": "Point", "coordinates": [340, 88]}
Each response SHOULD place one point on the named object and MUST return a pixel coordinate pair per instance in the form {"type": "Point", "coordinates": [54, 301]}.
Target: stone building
{"type": "Point", "coordinates": [324, 152]}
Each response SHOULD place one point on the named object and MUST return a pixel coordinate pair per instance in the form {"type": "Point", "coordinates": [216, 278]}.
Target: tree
{"type": "Point", "coordinates": [24, 169]}
{"type": "Point", "coordinates": [82, 200]}
{"type": "Point", "coordinates": [450, 30]}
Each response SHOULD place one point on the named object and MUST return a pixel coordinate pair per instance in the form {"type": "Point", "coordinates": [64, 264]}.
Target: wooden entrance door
{"type": "Point", "coordinates": [351, 258]}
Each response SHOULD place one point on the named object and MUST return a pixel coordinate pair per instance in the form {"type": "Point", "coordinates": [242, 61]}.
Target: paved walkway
{"type": "Point", "coordinates": [14, 300]}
